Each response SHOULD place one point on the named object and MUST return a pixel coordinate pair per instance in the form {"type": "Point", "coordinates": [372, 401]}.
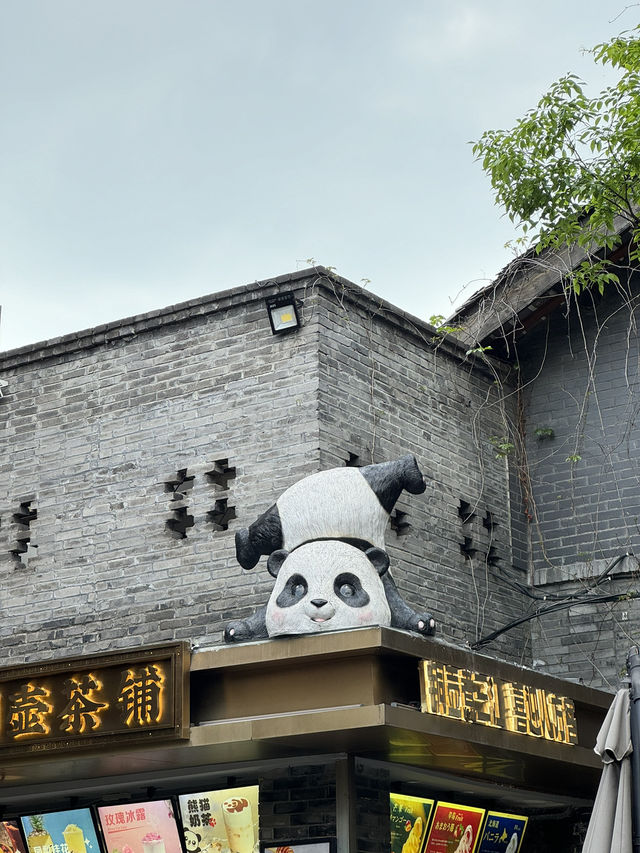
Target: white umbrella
{"type": "Point", "coordinates": [611, 820]}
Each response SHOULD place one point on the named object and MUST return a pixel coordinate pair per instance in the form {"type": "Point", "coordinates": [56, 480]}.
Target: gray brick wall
{"type": "Point", "coordinates": [95, 426]}
{"type": "Point", "coordinates": [581, 377]}
{"type": "Point", "coordinates": [372, 786]}
{"type": "Point", "coordinates": [298, 803]}
{"type": "Point", "coordinates": [386, 389]}
{"type": "Point", "coordinates": [589, 641]}
{"type": "Point", "coordinates": [94, 433]}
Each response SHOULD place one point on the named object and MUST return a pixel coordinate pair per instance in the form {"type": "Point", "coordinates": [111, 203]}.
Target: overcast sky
{"type": "Point", "coordinates": [154, 151]}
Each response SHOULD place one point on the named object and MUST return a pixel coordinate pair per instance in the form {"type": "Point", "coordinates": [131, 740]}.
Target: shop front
{"type": "Point", "coordinates": [369, 739]}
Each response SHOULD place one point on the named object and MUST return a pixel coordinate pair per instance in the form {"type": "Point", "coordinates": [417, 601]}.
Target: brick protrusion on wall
{"type": "Point", "coordinates": [23, 545]}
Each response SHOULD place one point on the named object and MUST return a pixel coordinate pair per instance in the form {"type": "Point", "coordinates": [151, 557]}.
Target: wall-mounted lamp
{"type": "Point", "coordinates": [283, 314]}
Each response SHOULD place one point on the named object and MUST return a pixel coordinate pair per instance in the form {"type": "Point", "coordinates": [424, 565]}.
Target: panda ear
{"type": "Point", "coordinates": [379, 559]}
{"type": "Point", "coordinates": [275, 561]}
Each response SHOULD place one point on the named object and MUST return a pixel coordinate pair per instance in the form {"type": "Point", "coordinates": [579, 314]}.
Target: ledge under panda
{"type": "Point", "coordinates": [324, 539]}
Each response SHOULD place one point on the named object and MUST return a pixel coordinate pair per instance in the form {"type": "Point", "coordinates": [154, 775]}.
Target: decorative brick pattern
{"type": "Point", "coordinates": [23, 546]}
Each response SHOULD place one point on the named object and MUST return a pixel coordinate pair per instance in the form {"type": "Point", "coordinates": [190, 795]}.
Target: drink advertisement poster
{"type": "Point", "coordinates": [140, 828]}
{"type": "Point", "coordinates": [454, 829]}
{"type": "Point", "coordinates": [224, 821]}
{"type": "Point", "coordinates": [71, 831]}
{"type": "Point", "coordinates": [10, 838]}
{"type": "Point", "coordinates": [409, 818]}
{"type": "Point", "coordinates": [502, 833]}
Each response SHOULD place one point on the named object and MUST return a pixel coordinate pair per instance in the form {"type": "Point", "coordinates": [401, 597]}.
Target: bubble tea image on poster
{"type": "Point", "coordinates": [140, 828]}
{"type": "Point", "coordinates": [70, 831]}
{"type": "Point", "coordinates": [10, 838]}
{"type": "Point", "coordinates": [223, 821]}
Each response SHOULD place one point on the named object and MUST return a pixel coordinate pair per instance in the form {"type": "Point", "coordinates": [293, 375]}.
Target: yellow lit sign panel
{"type": "Point", "coordinates": [28, 711]}
{"type": "Point", "coordinates": [78, 702]}
{"type": "Point", "coordinates": [461, 694]}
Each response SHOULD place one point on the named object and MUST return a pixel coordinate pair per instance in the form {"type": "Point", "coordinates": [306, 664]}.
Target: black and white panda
{"type": "Point", "coordinates": [341, 503]}
{"type": "Point", "coordinates": [326, 586]}
{"type": "Point", "coordinates": [329, 586]}
{"type": "Point", "coordinates": [324, 537]}
{"type": "Point", "coordinates": [192, 841]}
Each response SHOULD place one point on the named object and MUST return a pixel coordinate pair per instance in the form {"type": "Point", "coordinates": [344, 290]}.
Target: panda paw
{"type": "Point", "coordinates": [425, 625]}
{"type": "Point", "coordinates": [237, 632]}
{"type": "Point", "coordinates": [246, 553]}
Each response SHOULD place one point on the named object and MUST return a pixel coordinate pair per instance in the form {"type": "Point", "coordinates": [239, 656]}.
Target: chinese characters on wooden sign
{"type": "Point", "coordinates": [461, 694]}
{"type": "Point", "coordinates": [78, 702]}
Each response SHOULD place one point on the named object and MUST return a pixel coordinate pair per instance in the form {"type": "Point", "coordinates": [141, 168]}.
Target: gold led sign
{"type": "Point", "coordinates": [80, 702]}
{"type": "Point", "coordinates": [461, 694]}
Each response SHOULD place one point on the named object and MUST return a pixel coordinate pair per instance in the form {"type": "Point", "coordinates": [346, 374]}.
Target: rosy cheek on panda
{"type": "Point", "coordinates": [277, 618]}
{"type": "Point", "coordinates": [364, 616]}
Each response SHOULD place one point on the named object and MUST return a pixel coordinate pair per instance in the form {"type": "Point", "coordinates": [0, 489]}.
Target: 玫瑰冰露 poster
{"type": "Point", "coordinates": [148, 827]}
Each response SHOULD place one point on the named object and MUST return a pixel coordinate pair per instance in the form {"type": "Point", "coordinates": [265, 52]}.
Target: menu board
{"type": "Point", "coordinates": [409, 819]}
{"type": "Point", "coordinates": [502, 833]}
{"type": "Point", "coordinates": [454, 829]}
{"type": "Point", "coordinates": [71, 831]}
{"type": "Point", "coordinates": [223, 821]}
{"type": "Point", "coordinates": [140, 828]}
{"type": "Point", "coordinates": [10, 838]}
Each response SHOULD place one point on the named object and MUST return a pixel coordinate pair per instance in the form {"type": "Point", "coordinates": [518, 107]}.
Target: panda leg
{"type": "Point", "coordinates": [264, 536]}
{"type": "Point", "coordinates": [388, 479]}
{"type": "Point", "coordinates": [253, 627]}
{"type": "Point", "coordinates": [403, 616]}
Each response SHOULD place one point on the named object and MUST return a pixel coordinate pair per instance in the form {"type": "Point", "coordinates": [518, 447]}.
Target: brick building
{"type": "Point", "coordinates": [138, 448]}
{"type": "Point", "coordinates": [133, 451]}
{"type": "Point", "coordinates": [575, 367]}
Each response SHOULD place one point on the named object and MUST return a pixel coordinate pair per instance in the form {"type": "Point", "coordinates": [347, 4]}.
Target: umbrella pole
{"type": "Point", "coordinates": [633, 668]}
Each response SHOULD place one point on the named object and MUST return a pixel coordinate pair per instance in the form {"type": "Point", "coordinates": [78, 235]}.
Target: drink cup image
{"type": "Point", "coordinates": [152, 842]}
{"type": "Point", "coordinates": [238, 820]}
{"type": "Point", "coordinates": [214, 836]}
{"type": "Point", "coordinates": [74, 839]}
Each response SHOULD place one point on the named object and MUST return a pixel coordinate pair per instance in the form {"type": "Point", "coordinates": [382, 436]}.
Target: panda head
{"type": "Point", "coordinates": [192, 841]}
{"type": "Point", "coordinates": [326, 586]}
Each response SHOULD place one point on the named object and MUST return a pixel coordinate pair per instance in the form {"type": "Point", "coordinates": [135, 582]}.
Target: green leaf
{"type": "Point", "coordinates": [571, 165]}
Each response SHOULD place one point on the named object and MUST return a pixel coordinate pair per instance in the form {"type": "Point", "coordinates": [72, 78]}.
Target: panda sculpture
{"type": "Point", "coordinates": [341, 503]}
{"type": "Point", "coordinates": [324, 538]}
{"type": "Point", "coordinates": [324, 586]}
{"type": "Point", "coordinates": [329, 586]}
